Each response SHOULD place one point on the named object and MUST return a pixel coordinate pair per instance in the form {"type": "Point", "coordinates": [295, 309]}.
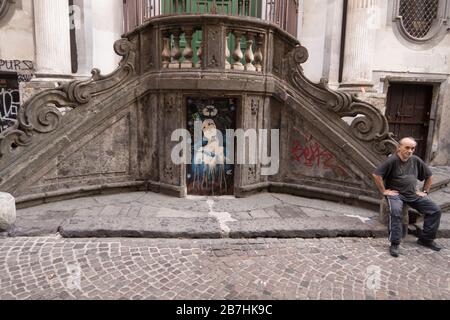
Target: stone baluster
{"type": "Point", "coordinates": [247, 8]}
{"type": "Point", "coordinates": [240, 7]}
{"type": "Point", "coordinates": [258, 54]}
{"type": "Point", "coordinates": [176, 52]}
{"type": "Point", "coordinates": [166, 50]}
{"type": "Point", "coordinates": [237, 53]}
{"type": "Point", "coordinates": [249, 56]}
{"type": "Point", "coordinates": [213, 7]}
{"type": "Point", "coordinates": [199, 55]}
{"type": "Point", "coordinates": [227, 53]}
{"type": "Point", "coordinates": [188, 53]}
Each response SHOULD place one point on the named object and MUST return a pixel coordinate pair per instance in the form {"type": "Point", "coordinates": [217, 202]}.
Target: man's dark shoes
{"type": "Point", "coordinates": [394, 250]}
{"type": "Point", "coordinates": [429, 244]}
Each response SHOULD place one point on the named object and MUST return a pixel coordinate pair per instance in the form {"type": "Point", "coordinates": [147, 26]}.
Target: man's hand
{"type": "Point", "coordinates": [421, 194]}
{"type": "Point", "coordinates": [389, 192]}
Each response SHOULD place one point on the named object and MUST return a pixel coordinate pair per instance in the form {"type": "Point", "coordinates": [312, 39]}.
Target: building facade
{"type": "Point", "coordinates": [331, 77]}
{"type": "Point", "coordinates": [45, 42]}
{"type": "Point", "coordinates": [392, 53]}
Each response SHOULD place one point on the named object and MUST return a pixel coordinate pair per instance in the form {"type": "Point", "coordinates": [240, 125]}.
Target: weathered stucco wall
{"type": "Point", "coordinates": [442, 156]}
{"type": "Point", "coordinates": [115, 131]}
{"type": "Point", "coordinates": [16, 32]}
{"type": "Point", "coordinates": [394, 60]}
{"type": "Point", "coordinates": [107, 20]}
{"type": "Point", "coordinates": [320, 33]}
{"type": "Point", "coordinates": [393, 54]}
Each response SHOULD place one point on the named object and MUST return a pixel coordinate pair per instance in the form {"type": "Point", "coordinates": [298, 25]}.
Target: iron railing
{"type": "Point", "coordinates": [283, 13]}
{"type": "Point", "coordinates": [419, 16]}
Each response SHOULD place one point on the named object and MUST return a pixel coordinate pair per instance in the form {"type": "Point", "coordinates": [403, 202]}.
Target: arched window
{"type": "Point", "coordinates": [422, 21]}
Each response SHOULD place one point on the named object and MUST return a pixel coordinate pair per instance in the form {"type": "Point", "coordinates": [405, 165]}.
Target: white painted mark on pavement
{"type": "Point", "coordinates": [74, 280]}
{"type": "Point", "coordinates": [373, 277]}
{"type": "Point", "coordinates": [195, 198]}
{"type": "Point", "coordinates": [223, 217]}
{"type": "Point", "coordinates": [363, 219]}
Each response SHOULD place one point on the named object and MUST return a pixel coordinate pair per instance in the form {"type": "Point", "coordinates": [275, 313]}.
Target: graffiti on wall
{"type": "Point", "coordinates": [24, 69]}
{"type": "Point", "coordinates": [9, 100]}
{"type": "Point", "coordinates": [12, 73]}
{"type": "Point", "coordinates": [9, 107]}
{"type": "Point", "coordinates": [24, 77]}
{"type": "Point", "coordinates": [311, 154]}
{"type": "Point", "coordinates": [16, 65]}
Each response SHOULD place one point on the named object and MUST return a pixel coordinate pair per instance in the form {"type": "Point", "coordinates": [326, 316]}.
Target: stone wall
{"type": "Point", "coordinates": [113, 132]}
{"type": "Point", "coordinates": [393, 59]}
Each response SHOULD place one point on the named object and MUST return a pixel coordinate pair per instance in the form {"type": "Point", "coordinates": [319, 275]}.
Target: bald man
{"type": "Point", "coordinates": [396, 179]}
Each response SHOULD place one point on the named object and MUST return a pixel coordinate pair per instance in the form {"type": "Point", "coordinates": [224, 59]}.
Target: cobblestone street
{"type": "Point", "coordinates": [340, 268]}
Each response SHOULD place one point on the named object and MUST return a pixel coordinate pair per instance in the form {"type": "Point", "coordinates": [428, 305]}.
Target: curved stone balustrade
{"type": "Point", "coordinates": [264, 49]}
{"type": "Point", "coordinates": [212, 42]}
{"type": "Point", "coordinates": [42, 114]}
{"type": "Point", "coordinates": [117, 134]}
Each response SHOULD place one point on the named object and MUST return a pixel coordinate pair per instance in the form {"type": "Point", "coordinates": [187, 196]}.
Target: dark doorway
{"type": "Point", "coordinates": [408, 113]}
{"type": "Point", "coordinates": [209, 173]}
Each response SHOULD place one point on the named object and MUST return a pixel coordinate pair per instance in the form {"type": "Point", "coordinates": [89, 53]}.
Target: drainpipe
{"type": "Point", "coordinates": [343, 37]}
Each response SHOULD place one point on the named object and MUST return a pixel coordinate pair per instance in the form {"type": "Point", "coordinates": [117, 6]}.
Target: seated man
{"type": "Point", "coordinates": [396, 179]}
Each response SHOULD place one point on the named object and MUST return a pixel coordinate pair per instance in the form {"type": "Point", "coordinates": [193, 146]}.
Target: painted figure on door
{"type": "Point", "coordinates": [209, 160]}
{"type": "Point", "coordinates": [209, 173]}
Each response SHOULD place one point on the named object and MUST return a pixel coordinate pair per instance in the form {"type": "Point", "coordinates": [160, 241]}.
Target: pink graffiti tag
{"type": "Point", "coordinates": [313, 153]}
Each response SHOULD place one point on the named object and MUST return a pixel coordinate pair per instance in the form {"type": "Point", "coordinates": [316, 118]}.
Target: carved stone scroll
{"type": "Point", "coordinates": [41, 113]}
{"type": "Point", "coordinates": [370, 127]}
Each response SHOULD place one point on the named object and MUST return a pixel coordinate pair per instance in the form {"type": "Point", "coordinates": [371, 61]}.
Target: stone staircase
{"type": "Point", "coordinates": [440, 193]}
{"type": "Point", "coordinates": [440, 190]}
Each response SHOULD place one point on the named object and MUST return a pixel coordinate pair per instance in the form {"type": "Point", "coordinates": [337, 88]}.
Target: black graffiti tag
{"type": "Point", "coordinates": [16, 65]}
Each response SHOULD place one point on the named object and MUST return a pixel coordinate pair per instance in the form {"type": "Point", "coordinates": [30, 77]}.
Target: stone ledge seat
{"type": "Point", "coordinates": [7, 211]}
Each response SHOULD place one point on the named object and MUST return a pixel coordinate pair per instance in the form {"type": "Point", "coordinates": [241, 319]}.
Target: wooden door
{"type": "Point", "coordinates": [209, 173]}
{"type": "Point", "coordinates": [408, 113]}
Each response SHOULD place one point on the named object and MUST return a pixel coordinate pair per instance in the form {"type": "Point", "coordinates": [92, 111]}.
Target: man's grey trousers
{"type": "Point", "coordinates": [425, 206]}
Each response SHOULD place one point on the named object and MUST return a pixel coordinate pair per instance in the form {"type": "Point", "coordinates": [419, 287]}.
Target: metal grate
{"type": "Point", "coordinates": [418, 16]}
{"type": "Point", "coordinates": [283, 13]}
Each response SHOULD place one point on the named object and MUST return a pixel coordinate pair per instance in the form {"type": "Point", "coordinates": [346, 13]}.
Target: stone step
{"type": "Point", "coordinates": [442, 198]}
{"type": "Point", "coordinates": [202, 227]}
{"type": "Point", "coordinates": [441, 178]}
{"type": "Point", "coordinates": [440, 189]}
{"type": "Point", "coordinates": [440, 184]}
{"type": "Point", "coordinates": [443, 231]}
{"type": "Point", "coordinates": [117, 227]}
